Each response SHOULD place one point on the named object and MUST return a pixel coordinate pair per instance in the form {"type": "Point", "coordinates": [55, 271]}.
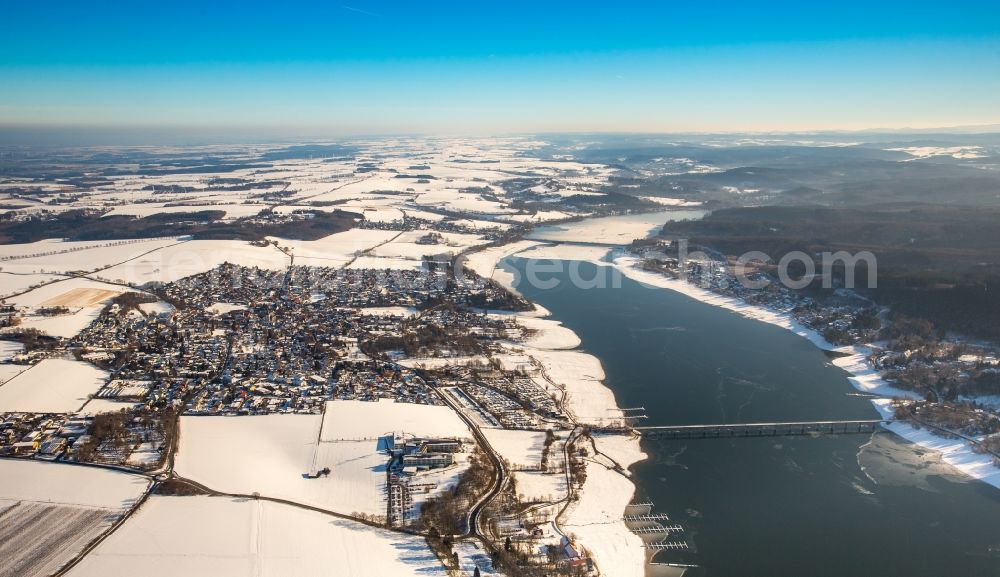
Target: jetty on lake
{"type": "Point", "coordinates": [652, 527]}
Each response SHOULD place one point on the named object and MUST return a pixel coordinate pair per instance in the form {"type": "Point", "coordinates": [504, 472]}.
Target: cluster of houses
{"type": "Point", "coordinates": [41, 435]}
{"type": "Point", "coordinates": [450, 223]}
{"type": "Point", "coordinates": [372, 380]}
{"type": "Point", "coordinates": [242, 340]}
{"type": "Point", "coordinates": [837, 321]}
{"type": "Point", "coordinates": [138, 444]}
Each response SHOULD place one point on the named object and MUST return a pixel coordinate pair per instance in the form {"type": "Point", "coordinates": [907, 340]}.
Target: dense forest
{"type": "Point", "coordinates": [937, 262]}
{"type": "Point", "coordinates": [205, 224]}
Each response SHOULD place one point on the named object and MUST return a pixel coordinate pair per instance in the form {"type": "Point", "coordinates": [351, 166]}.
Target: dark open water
{"type": "Point", "coordinates": [786, 506]}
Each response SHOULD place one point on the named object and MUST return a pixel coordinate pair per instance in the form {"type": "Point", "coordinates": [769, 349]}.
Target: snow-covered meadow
{"type": "Point", "coordinates": [272, 454]}
{"type": "Point", "coordinates": [230, 537]}
{"type": "Point", "coordinates": [52, 511]}
{"type": "Point", "coordinates": [51, 386]}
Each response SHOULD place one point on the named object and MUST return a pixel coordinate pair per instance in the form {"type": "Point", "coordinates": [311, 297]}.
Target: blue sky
{"type": "Point", "coordinates": [364, 67]}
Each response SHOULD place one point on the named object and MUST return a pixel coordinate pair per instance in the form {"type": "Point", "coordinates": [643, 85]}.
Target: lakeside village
{"type": "Point", "coordinates": [955, 383]}
{"type": "Point", "coordinates": [241, 340]}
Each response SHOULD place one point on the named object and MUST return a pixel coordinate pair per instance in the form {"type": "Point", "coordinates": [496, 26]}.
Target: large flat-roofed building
{"type": "Point", "coordinates": [428, 460]}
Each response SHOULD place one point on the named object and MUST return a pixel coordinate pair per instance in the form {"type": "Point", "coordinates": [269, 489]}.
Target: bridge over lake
{"type": "Point", "coordinates": [782, 429]}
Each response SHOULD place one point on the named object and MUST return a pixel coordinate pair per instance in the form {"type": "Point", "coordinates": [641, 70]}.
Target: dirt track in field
{"type": "Point", "coordinates": [80, 297]}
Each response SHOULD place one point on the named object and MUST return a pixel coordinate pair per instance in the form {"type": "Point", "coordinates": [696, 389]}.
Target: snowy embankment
{"type": "Point", "coordinates": [610, 230]}
{"type": "Point", "coordinates": [548, 334]}
{"type": "Point", "coordinates": [484, 262]}
{"type": "Point", "coordinates": [956, 452]}
{"type": "Point", "coordinates": [596, 518]}
{"type": "Point", "coordinates": [567, 252]}
{"type": "Point", "coordinates": [863, 376]}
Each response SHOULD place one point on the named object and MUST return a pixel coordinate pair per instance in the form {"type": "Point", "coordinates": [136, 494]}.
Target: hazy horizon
{"type": "Point", "coordinates": [167, 135]}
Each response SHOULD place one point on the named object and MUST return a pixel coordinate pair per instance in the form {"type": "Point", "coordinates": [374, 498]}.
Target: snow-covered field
{"type": "Point", "coordinates": [51, 511]}
{"type": "Point", "coordinates": [9, 350]}
{"type": "Point", "coordinates": [98, 406]}
{"type": "Point", "coordinates": [406, 246]}
{"type": "Point", "coordinates": [83, 298]}
{"type": "Point", "coordinates": [225, 537]}
{"type": "Point", "coordinates": [192, 257]}
{"type": "Point", "coordinates": [522, 449]}
{"type": "Point", "coordinates": [156, 308]}
{"type": "Point", "coordinates": [367, 420]}
{"type": "Point", "coordinates": [51, 386]}
{"type": "Point", "coordinates": [130, 261]}
{"type": "Point", "coordinates": [58, 256]}
{"type": "Point", "coordinates": [11, 283]}
{"type": "Point", "coordinates": [439, 362]}
{"type": "Point", "coordinates": [337, 249]}
{"type": "Point", "coordinates": [77, 297]}
{"type": "Point", "coordinates": [402, 312]}
{"type": "Point", "coordinates": [269, 455]}
{"type": "Point", "coordinates": [538, 486]}
{"type": "Point", "coordinates": [223, 308]}
{"type": "Point", "coordinates": [389, 263]}
{"type": "Point", "coordinates": [59, 484]}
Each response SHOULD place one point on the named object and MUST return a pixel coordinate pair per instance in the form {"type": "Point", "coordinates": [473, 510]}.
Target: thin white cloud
{"type": "Point", "coordinates": [360, 11]}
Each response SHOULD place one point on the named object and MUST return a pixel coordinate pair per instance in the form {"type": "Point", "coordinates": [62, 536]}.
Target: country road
{"type": "Point", "coordinates": [473, 528]}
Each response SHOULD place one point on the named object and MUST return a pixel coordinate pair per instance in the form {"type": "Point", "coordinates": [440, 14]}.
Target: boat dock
{"type": "Point", "coordinates": [652, 528]}
{"type": "Point", "coordinates": [645, 518]}
{"type": "Point", "coordinates": [668, 546]}
{"type": "Point", "coordinates": [658, 530]}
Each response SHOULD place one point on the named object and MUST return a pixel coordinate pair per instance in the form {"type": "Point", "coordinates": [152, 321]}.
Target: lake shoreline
{"type": "Point", "coordinates": [852, 359]}
{"type": "Point", "coordinates": [596, 517]}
